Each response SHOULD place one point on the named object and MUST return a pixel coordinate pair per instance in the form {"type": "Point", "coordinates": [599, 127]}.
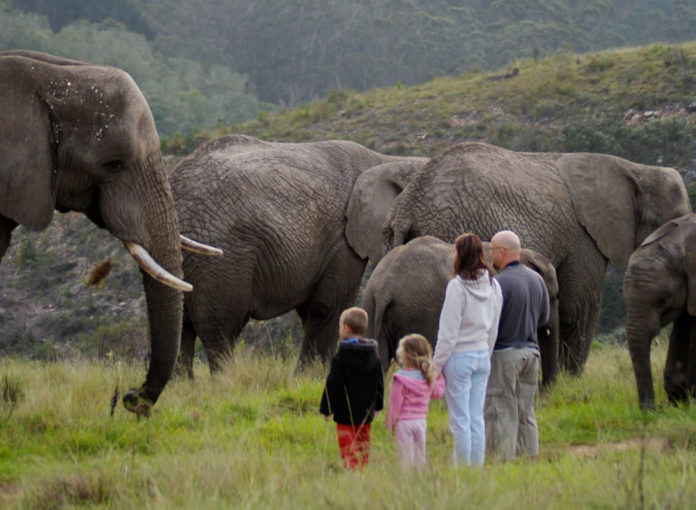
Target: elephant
{"type": "Point", "coordinates": [398, 305]}
{"type": "Point", "coordinates": [81, 137]}
{"type": "Point", "coordinates": [579, 209]}
{"type": "Point", "coordinates": [281, 213]}
{"type": "Point", "coordinates": [660, 289]}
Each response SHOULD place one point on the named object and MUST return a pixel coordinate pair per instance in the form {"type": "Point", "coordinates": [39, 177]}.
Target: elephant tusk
{"type": "Point", "coordinates": [146, 262]}
{"type": "Point", "coordinates": [196, 247]}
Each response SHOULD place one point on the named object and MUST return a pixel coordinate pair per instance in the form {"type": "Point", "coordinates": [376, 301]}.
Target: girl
{"type": "Point", "coordinates": [412, 389]}
{"type": "Point", "coordinates": [465, 339]}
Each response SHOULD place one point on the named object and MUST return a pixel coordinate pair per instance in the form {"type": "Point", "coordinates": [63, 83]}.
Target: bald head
{"type": "Point", "coordinates": [505, 248]}
{"type": "Point", "coordinates": [507, 239]}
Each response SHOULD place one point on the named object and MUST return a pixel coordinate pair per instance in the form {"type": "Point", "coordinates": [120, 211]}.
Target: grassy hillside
{"type": "Point", "coordinates": [610, 101]}
{"type": "Point", "coordinates": [252, 438]}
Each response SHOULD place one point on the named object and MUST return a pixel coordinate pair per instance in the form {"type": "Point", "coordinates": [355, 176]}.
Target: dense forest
{"type": "Point", "coordinates": [203, 63]}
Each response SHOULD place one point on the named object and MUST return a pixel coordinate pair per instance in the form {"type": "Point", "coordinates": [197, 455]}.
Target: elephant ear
{"type": "Point", "coordinates": [604, 194]}
{"type": "Point", "coordinates": [677, 239]}
{"type": "Point", "coordinates": [27, 166]}
{"type": "Point", "coordinates": [544, 267]}
{"type": "Point", "coordinates": [372, 196]}
{"type": "Point", "coordinates": [690, 263]}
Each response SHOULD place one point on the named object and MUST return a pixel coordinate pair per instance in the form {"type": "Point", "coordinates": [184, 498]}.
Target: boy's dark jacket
{"type": "Point", "coordinates": [354, 387]}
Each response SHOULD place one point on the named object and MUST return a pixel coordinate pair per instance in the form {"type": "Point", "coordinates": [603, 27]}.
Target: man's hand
{"type": "Point", "coordinates": [327, 417]}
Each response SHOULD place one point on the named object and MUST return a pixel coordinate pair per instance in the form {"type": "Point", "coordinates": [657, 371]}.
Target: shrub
{"type": "Point", "coordinates": [11, 394]}
{"type": "Point", "coordinates": [665, 142]}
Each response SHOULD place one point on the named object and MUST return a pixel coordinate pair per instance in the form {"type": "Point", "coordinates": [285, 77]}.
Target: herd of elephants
{"type": "Point", "coordinates": [297, 224]}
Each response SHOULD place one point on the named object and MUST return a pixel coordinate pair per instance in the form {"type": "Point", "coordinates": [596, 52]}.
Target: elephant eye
{"type": "Point", "coordinates": [115, 166]}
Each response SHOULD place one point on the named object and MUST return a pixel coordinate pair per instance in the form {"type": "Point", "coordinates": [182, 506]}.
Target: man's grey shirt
{"type": "Point", "coordinates": [525, 306]}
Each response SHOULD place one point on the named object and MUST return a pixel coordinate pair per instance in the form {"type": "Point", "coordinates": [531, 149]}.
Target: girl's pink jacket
{"type": "Point", "coordinates": [410, 398]}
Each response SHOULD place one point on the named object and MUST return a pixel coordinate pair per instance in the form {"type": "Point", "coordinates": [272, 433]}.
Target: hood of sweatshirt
{"type": "Point", "coordinates": [481, 289]}
{"type": "Point", "coordinates": [418, 386]}
{"type": "Point", "coordinates": [359, 356]}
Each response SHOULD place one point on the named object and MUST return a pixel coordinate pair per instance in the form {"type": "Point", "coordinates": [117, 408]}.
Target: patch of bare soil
{"type": "Point", "coordinates": [652, 444]}
{"type": "Point", "coordinates": [8, 491]}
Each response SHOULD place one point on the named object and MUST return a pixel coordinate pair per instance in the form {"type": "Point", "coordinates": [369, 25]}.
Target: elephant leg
{"type": "Point", "coordinates": [548, 350]}
{"type": "Point", "coordinates": [677, 363]}
{"type": "Point", "coordinates": [218, 346]}
{"type": "Point", "coordinates": [548, 347]}
{"type": "Point", "coordinates": [383, 349]}
{"type": "Point", "coordinates": [6, 227]}
{"type": "Point", "coordinates": [691, 365]}
{"type": "Point", "coordinates": [580, 279]}
{"type": "Point", "coordinates": [335, 291]}
{"type": "Point", "coordinates": [187, 348]}
{"type": "Point", "coordinates": [387, 340]}
{"type": "Point", "coordinates": [218, 324]}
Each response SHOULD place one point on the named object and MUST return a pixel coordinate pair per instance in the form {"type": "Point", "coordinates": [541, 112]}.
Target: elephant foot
{"type": "Point", "coordinates": [573, 358]}
{"type": "Point", "coordinates": [183, 369]}
{"type": "Point", "coordinates": [302, 364]}
{"type": "Point", "coordinates": [677, 394]}
{"type": "Point", "coordinates": [647, 406]}
{"type": "Point", "coordinates": [134, 402]}
{"type": "Point", "coordinates": [677, 386]}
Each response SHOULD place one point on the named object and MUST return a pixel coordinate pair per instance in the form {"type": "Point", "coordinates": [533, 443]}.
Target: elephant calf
{"type": "Point", "coordinates": [405, 292]}
{"type": "Point", "coordinates": [660, 289]}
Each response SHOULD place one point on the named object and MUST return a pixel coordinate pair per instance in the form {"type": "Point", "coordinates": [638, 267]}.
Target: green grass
{"type": "Point", "coordinates": [251, 437]}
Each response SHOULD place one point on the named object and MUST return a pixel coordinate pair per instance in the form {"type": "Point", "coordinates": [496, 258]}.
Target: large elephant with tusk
{"type": "Point", "coordinates": [81, 137]}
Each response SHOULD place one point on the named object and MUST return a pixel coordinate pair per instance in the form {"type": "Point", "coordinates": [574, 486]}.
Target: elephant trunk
{"type": "Point", "coordinates": [639, 336]}
{"type": "Point", "coordinates": [164, 309]}
{"type": "Point", "coordinates": [164, 304]}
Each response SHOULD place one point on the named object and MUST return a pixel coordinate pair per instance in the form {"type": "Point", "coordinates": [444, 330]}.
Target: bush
{"type": "Point", "coordinates": [664, 142]}
{"type": "Point", "coordinates": [11, 394]}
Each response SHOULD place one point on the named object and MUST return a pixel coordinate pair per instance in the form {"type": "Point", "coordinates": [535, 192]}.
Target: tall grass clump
{"type": "Point", "coordinates": [11, 393]}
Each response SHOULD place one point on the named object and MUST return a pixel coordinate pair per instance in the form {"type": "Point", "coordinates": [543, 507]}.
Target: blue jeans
{"type": "Point", "coordinates": [466, 376]}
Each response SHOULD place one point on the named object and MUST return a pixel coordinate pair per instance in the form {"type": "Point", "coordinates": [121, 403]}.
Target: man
{"type": "Point", "coordinates": [511, 427]}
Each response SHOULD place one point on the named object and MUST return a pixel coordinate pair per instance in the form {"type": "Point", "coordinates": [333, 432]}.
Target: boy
{"type": "Point", "coordinates": [354, 389]}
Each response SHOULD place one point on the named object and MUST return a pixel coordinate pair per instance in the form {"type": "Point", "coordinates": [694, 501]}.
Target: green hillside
{"type": "Point", "coordinates": [610, 102]}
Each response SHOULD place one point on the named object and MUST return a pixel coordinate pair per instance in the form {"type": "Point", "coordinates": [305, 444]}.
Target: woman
{"type": "Point", "coordinates": [465, 340]}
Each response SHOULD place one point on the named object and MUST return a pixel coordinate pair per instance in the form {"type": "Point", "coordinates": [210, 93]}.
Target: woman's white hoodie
{"type": "Point", "coordinates": [469, 317]}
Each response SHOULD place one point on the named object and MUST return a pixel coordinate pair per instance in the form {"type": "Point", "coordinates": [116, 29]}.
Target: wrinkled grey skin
{"type": "Point", "coordinates": [280, 213]}
{"type": "Point", "coordinates": [660, 289]}
{"type": "Point", "coordinates": [406, 289]}
{"type": "Point", "coordinates": [80, 137]}
{"type": "Point", "coordinates": [580, 210]}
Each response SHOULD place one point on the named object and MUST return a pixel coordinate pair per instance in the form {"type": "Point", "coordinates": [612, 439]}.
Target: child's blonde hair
{"type": "Point", "coordinates": [356, 319]}
{"type": "Point", "coordinates": [417, 350]}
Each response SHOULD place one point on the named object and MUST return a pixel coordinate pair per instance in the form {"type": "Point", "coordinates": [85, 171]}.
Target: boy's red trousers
{"type": "Point", "coordinates": [354, 444]}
